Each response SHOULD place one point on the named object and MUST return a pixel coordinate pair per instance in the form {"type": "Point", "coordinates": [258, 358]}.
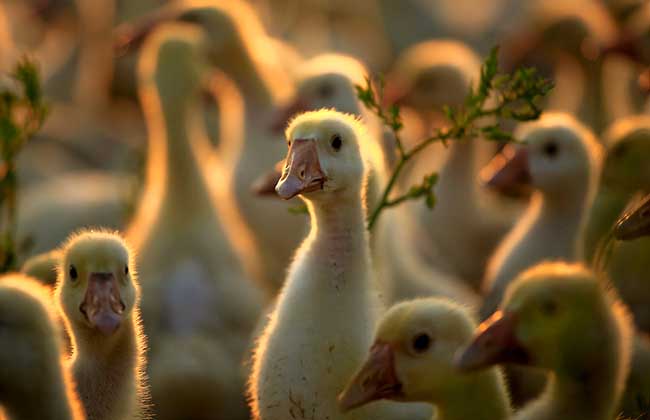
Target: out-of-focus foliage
{"type": "Point", "coordinates": [22, 114]}
{"type": "Point", "coordinates": [510, 96]}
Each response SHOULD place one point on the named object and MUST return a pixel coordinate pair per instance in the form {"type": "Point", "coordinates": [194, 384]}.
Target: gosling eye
{"type": "Point", "coordinates": [73, 272]}
{"type": "Point", "coordinates": [326, 90]}
{"type": "Point", "coordinates": [336, 142]}
{"type": "Point", "coordinates": [191, 17]}
{"type": "Point", "coordinates": [551, 150]}
{"type": "Point", "coordinates": [421, 343]}
{"type": "Point", "coordinates": [620, 150]}
{"type": "Point", "coordinates": [549, 307]}
{"type": "Point", "coordinates": [126, 270]}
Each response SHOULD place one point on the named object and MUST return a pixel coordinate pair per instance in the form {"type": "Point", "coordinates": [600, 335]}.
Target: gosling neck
{"type": "Point", "coordinates": [174, 152]}
{"type": "Point", "coordinates": [249, 77]}
{"type": "Point", "coordinates": [338, 236]}
{"type": "Point", "coordinates": [338, 216]}
{"type": "Point", "coordinates": [457, 175]}
{"type": "Point", "coordinates": [570, 207]}
{"type": "Point", "coordinates": [485, 390]}
{"type": "Point", "coordinates": [563, 216]}
{"type": "Point", "coordinates": [593, 383]}
{"type": "Point", "coordinates": [92, 347]}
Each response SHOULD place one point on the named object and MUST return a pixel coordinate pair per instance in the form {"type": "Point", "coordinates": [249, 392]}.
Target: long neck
{"type": "Point", "coordinates": [51, 397]}
{"type": "Point", "coordinates": [118, 358]}
{"type": "Point", "coordinates": [184, 179]}
{"type": "Point", "coordinates": [592, 396]}
{"type": "Point", "coordinates": [249, 76]}
{"type": "Point", "coordinates": [563, 217]}
{"type": "Point", "coordinates": [590, 379]}
{"type": "Point", "coordinates": [457, 177]}
{"type": "Point", "coordinates": [486, 392]}
{"type": "Point", "coordinates": [338, 226]}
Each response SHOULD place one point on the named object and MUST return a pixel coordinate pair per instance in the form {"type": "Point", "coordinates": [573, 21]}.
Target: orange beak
{"type": "Point", "coordinates": [102, 305]}
{"type": "Point", "coordinates": [494, 343]}
{"type": "Point", "coordinates": [635, 223]}
{"type": "Point", "coordinates": [131, 35]}
{"type": "Point", "coordinates": [509, 172]}
{"type": "Point", "coordinates": [302, 172]}
{"type": "Point", "coordinates": [375, 380]}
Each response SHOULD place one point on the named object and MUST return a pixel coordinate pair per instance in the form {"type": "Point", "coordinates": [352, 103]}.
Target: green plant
{"type": "Point", "coordinates": [22, 114]}
{"type": "Point", "coordinates": [496, 98]}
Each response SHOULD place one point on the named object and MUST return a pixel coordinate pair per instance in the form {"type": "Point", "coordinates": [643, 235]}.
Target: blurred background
{"type": "Point", "coordinates": [92, 86]}
{"type": "Point", "coordinates": [102, 159]}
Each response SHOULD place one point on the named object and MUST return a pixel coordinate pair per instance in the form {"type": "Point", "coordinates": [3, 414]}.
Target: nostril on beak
{"type": "Point", "coordinates": [302, 173]}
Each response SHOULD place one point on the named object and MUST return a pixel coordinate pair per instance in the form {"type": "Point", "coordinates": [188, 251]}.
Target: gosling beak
{"type": "Point", "coordinates": [509, 171]}
{"type": "Point", "coordinates": [302, 173]}
{"type": "Point", "coordinates": [284, 114]}
{"type": "Point", "coordinates": [395, 92]}
{"type": "Point", "coordinates": [265, 184]}
{"type": "Point", "coordinates": [494, 343]}
{"type": "Point", "coordinates": [102, 305]}
{"type": "Point", "coordinates": [635, 223]}
{"type": "Point", "coordinates": [375, 380]}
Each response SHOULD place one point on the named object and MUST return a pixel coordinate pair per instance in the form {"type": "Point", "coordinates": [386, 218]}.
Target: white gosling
{"type": "Point", "coordinates": [560, 160]}
{"type": "Point", "coordinates": [326, 312]}
{"type": "Point", "coordinates": [192, 279]}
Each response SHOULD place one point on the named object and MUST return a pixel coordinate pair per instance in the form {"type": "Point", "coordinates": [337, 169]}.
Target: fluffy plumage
{"type": "Point", "coordinates": [193, 282]}
{"type": "Point", "coordinates": [561, 318]}
{"type": "Point", "coordinates": [35, 382]}
{"type": "Point", "coordinates": [561, 162]}
{"type": "Point", "coordinates": [98, 294]}
{"type": "Point", "coordinates": [324, 317]}
{"type": "Point", "coordinates": [412, 359]}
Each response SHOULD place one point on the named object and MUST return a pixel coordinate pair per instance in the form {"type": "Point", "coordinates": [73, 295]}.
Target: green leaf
{"type": "Point", "coordinates": [27, 74]}
{"type": "Point", "coordinates": [495, 133]}
{"type": "Point", "coordinates": [513, 96]}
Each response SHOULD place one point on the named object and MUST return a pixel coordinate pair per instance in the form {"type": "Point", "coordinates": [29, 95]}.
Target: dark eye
{"type": "Point", "coordinates": [549, 307]}
{"type": "Point", "coordinates": [421, 343]}
{"type": "Point", "coordinates": [620, 150]}
{"type": "Point", "coordinates": [126, 269]}
{"type": "Point", "coordinates": [191, 17]}
{"type": "Point", "coordinates": [550, 149]}
{"type": "Point", "coordinates": [326, 90]}
{"type": "Point", "coordinates": [336, 142]}
{"type": "Point", "coordinates": [73, 272]}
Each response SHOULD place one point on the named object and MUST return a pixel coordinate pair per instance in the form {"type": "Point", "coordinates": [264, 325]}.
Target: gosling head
{"type": "Point", "coordinates": [325, 81]}
{"type": "Point", "coordinates": [433, 73]}
{"type": "Point", "coordinates": [172, 62]}
{"type": "Point", "coordinates": [221, 20]}
{"type": "Point", "coordinates": [412, 358]}
{"type": "Point", "coordinates": [96, 285]}
{"type": "Point", "coordinates": [559, 156]}
{"type": "Point", "coordinates": [324, 156]}
{"type": "Point", "coordinates": [555, 316]}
